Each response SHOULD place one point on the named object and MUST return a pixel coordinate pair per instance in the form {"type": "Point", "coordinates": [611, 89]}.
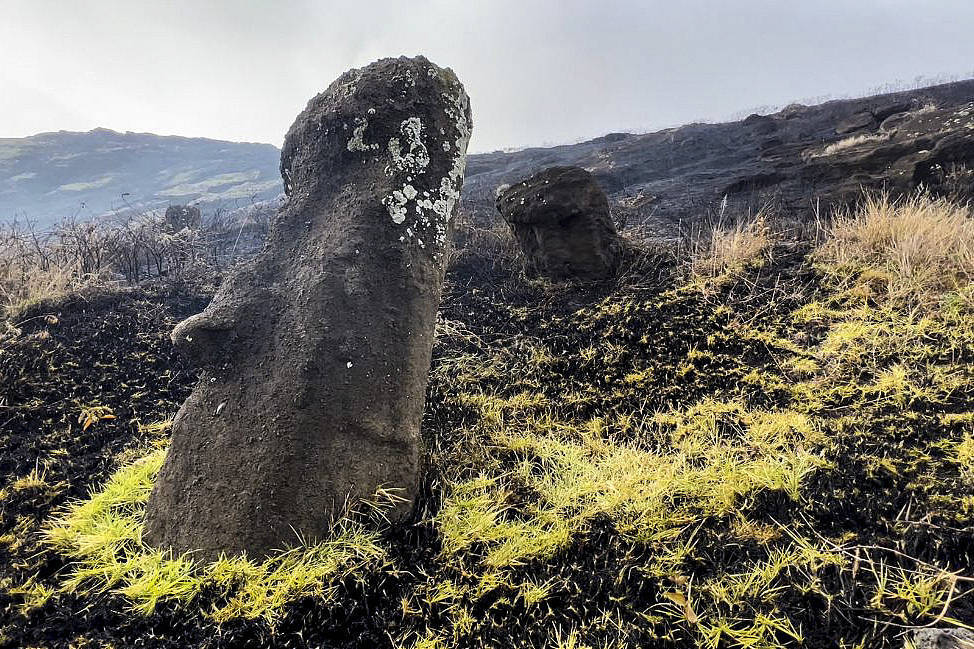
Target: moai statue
{"type": "Point", "coordinates": [316, 352]}
{"type": "Point", "coordinates": [560, 218]}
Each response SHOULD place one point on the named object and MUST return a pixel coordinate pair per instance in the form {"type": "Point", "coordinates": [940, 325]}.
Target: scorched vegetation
{"type": "Point", "coordinates": [769, 445]}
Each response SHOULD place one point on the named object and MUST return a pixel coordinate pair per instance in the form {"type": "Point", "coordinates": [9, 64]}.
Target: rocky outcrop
{"type": "Point", "coordinates": [316, 352]}
{"type": "Point", "coordinates": [560, 218]}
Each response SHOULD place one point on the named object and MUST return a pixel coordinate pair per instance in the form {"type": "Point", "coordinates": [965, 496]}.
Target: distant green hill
{"type": "Point", "coordinates": [49, 176]}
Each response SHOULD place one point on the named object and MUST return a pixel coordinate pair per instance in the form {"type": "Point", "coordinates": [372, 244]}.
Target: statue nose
{"type": "Point", "coordinates": [203, 338]}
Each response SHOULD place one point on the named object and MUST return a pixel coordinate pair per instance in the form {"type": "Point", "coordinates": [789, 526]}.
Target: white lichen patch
{"type": "Point", "coordinates": [410, 155]}
{"type": "Point", "coordinates": [347, 85]}
{"type": "Point", "coordinates": [426, 212]}
{"type": "Point", "coordinates": [457, 107]}
{"type": "Point", "coordinates": [357, 143]}
{"type": "Point", "coordinates": [396, 204]}
{"type": "Point", "coordinates": [406, 79]}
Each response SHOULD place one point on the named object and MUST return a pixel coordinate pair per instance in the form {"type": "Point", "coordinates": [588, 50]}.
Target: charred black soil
{"type": "Point", "coordinates": [636, 366]}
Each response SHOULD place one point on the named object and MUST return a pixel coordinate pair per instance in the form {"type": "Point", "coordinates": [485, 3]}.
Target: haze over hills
{"type": "Point", "coordinates": [50, 176]}
{"type": "Point", "coordinates": [797, 157]}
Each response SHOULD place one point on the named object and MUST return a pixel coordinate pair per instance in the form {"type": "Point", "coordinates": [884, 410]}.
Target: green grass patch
{"type": "Point", "coordinates": [103, 537]}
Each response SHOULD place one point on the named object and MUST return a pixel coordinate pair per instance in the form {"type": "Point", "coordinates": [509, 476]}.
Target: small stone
{"type": "Point", "coordinates": [940, 639]}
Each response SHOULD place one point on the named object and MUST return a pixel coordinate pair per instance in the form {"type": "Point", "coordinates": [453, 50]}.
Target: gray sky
{"type": "Point", "coordinates": [537, 71]}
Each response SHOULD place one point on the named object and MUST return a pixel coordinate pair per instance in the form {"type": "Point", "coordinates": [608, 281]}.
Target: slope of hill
{"type": "Point", "coordinates": [53, 175]}
{"type": "Point", "coordinates": [747, 439]}
{"type": "Point", "coordinates": [775, 451]}
{"type": "Point", "coordinates": [800, 156]}
{"type": "Point", "coordinates": [796, 158]}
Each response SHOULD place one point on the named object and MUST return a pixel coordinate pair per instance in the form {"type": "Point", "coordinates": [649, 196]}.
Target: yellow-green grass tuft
{"type": "Point", "coordinates": [965, 456]}
{"type": "Point", "coordinates": [913, 250]}
{"type": "Point", "coordinates": [694, 466]}
{"type": "Point", "coordinates": [726, 251]}
{"type": "Point", "coordinates": [103, 535]}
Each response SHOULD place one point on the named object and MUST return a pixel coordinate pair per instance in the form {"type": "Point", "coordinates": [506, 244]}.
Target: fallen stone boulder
{"type": "Point", "coordinates": [560, 218]}
{"type": "Point", "coordinates": [315, 354]}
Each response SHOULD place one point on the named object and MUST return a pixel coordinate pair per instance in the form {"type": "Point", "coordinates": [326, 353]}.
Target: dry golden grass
{"type": "Point", "coordinates": [914, 250]}
{"type": "Point", "coordinates": [24, 283]}
{"type": "Point", "coordinates": [729, 250]}
{"type": "Point", "coordinates": [850, 142]}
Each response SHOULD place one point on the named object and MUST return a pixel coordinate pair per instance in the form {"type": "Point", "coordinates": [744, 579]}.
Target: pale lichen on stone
{"type": "Point", "coordinates": [357, 143]}
{"type": "Point", "coordinates": [409, 159]}
{"type": "Point", "coordinates": [396, 204]}
{"type": "Point", "coordinates": [406, 78]}
{"type": "Point", "coordinates": [456, 109]}
{"type": "Point", "coordinates": [416, 158]}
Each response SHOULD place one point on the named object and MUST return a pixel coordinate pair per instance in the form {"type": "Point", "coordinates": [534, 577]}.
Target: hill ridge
{"type": "Point", "coordinates": [657, 179]}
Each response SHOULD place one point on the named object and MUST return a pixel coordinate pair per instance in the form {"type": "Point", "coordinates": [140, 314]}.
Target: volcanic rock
{"type": "Point", "coordinates": [942, 639]}
{"type": "Point", "coordinates": [857, 122]}
{"type": "Point", "coordinates": [779, 161]}
{"type": "Point", "coordinates": [316, 352]}
{"type": "Point", "coordinates": [560, 217]}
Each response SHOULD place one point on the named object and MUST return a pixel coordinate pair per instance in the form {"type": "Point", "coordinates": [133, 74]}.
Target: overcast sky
{"type": "Point", "coordinates": [537, 71]}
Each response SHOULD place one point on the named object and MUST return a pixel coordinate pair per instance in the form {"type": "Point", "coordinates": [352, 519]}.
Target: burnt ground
{"type": "Point", "coordinates": [102, 349]}
{"type": "Point", "coordinates": [658, 180]}
{"type": "Point", "coordinates": [113, 350]}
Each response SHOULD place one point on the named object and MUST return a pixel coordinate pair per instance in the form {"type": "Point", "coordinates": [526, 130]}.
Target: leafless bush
{"type": "Point", "coordinates": [37, 265]}
{"type": "Point", "coordinates": [484, 246]}
{"type": "Point", "coordinates": [126, 249]}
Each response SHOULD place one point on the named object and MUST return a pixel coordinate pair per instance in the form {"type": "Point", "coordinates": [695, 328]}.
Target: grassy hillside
{"type": "Point", "coordinates": [749, 440]}
{"type": "Point", "coordinates": [53, 176]}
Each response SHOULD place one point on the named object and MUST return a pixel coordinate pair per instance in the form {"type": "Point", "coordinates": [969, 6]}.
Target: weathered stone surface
{"type": "Point", "coordinates": [561, 220]}
{"type": "Point", "coordinates": [857, 122]}
{"type": "Point", "coordinates": [941, 639]}
{"type": "Point", "coordinates": [316, 353]}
